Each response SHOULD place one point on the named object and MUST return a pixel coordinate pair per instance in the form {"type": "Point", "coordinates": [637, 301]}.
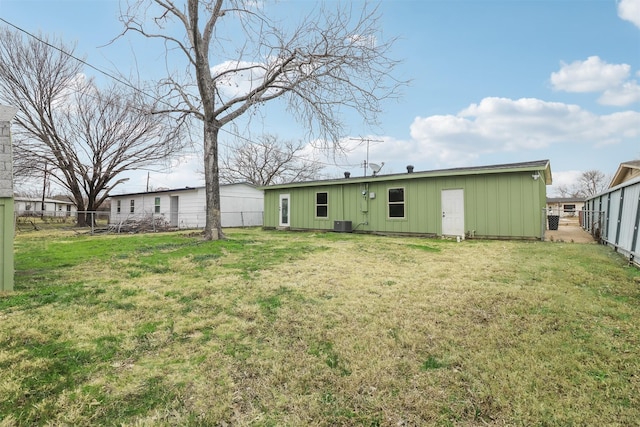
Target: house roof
{"type": "Point", "coordinates": [175, 190]}
{"type": "Point", "coordinates": [533, 166]}
{"type": "Point", "coordinates": [565, 199]}
{"type": "Point", "coordinates": [625, 171]}
{"type": "Point", "coordinates": [39, 199]}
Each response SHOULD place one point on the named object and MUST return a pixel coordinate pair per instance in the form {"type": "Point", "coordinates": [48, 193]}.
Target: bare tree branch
{"type": "Point", "coordinates": [331, 61]}
{"type": "Point", "coordinates": [268, 161]}
{"type": "Point", "coordinates": [85, 137]}
{"type": "Point", "coordinates": [589, 183]}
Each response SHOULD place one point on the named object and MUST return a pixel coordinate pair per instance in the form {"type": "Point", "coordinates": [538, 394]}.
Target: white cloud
{"type": "Point", "coordinates": [595, 75]}
{"type": "Point", "coordinates": [563, 179]}
{"type": "Point", "coordinates": [493, 127]}
{"type": "Point", "coordinates": [592, 75]}
{"type": "Point", "coordinates": [626, 94]}
{"type": "Point", "coordinates": [182, 172]}
{"type": "Point", "coordinates": [240, 78]}
{"type": "Point", "coordinates": [629, 10]}
{"type": "Point", "coordinates": [504, 125]}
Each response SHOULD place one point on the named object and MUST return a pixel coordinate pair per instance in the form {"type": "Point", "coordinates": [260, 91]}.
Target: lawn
{"type": "Point", "coordinates": [275, 328]}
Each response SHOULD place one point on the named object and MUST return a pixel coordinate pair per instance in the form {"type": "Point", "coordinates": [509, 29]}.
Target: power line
{"type": "Point", "coordinates": [82, 61]}
{"type": "Point", "coordinates": [137, 89]}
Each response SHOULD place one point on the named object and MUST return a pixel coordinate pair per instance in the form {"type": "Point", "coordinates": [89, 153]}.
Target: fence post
{"type": "Point", "coordinates": [92, 222]}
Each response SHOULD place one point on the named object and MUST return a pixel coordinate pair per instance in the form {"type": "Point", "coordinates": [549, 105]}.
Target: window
{"type": "Point", "coordinates": [119, 206]}
{"type": "Point", "coordinates": [396, 203]}
{"type": "Point", "coordinates": [569, 208]}
{"type": "Point", "coordinates": [157, 205]}
{"type": "Point", "coordinates": [322, 205]}
{"type": "Point", "coordinates": [132, 208]}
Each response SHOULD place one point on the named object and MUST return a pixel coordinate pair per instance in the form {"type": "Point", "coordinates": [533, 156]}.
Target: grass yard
{"type": "Point", "coordinates": [286, 329]}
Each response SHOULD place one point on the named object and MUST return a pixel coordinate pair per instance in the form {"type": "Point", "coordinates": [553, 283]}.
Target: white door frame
{"type": "Point", "coordinates": [284, 210]}
{"type": "Point", "coordinates": [452, 202]}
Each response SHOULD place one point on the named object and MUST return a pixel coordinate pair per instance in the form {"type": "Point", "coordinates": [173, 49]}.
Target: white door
{"type": "Point", "coordinates": [174, 208]}
{"type": "Point", "coordinates": [453, 212]}
{"type": "Point", "coordinates": [284, 210]}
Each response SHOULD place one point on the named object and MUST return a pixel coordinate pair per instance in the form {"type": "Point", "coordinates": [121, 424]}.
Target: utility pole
{"type": "Point", "coordinates": [367, 140]}
{"type": "Point", "coordinates": [44, 192]}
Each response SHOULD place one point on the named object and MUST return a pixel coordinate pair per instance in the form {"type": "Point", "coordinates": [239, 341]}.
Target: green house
{"type": "Point", "coordinates": [500, 201]}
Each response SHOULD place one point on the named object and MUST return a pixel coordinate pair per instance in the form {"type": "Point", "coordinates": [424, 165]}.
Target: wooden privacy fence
{"type": "Point", "coordinates": [614, 218]}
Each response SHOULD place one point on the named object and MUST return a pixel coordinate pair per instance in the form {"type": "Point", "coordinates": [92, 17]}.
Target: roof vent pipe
{"type": "Point", "coordinates": [347, 174]}
{"type": "Point", "coordinates": [409, 168]}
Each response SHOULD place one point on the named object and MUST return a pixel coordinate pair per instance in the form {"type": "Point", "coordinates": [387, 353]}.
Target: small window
{"type": "Point", "coordinates": [132, 208]}
{"type": "Point", "coordinates": [119, 206]}
{"type": "Point", "coordinates": [569, 208]}
{"type": "Point", "coordinates": [157, 205]}
{"type": "Point", "coordinates": [322, 205]}
{"type": "Point", "coordinates": [396, 203]}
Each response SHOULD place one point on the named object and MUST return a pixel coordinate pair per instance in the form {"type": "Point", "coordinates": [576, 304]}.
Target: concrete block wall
{"type": "Point", "coordinates": [6, 161]}
{"type": "Point", "coordinates": [7, 230]}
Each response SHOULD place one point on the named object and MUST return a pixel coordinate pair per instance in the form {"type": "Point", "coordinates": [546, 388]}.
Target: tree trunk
{"type": "Point", "coordinates": [213, 225]}
{"type": "Point", "coordinates": [81, 216]}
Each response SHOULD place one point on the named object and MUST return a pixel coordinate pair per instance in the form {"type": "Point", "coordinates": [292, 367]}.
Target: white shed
{"type": "Point", "coordinates": [241, 206]}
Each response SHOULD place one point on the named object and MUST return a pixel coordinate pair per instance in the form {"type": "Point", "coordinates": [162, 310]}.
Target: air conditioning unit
{"type": "Point", "coordinates": [342, 226]}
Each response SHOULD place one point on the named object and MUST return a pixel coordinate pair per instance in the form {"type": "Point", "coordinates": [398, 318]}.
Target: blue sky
{"type": "Point", "coordinates": [492, 82]}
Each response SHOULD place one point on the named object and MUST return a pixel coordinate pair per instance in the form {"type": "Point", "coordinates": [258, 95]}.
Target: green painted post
{"type": "Point", "coordinates": [7, 230]}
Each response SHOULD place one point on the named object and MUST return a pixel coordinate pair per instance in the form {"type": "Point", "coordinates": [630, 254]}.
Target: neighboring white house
{"type": "Point", "coordinates": [564, 206]}
{"type": "Point", "coordinates": [241, 205]}
{"type": "Point", "coordinates": [32, 206]}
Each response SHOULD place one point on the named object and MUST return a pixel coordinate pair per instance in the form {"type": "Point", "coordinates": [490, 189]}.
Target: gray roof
{"type": "Point", "coordinates": [565, 199]}
{"type": "Point", "coordinates": [537, 165]}
{"type": "Point", "coordinates": [175, 190]}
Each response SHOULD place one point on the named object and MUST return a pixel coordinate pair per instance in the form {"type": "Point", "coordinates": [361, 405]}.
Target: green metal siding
{"type": "Point", "coordinates": [495, 205]}
{"type": "Point", "coordinates": [7, 232]}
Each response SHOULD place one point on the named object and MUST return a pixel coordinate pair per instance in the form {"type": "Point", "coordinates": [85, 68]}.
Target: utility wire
{"type": "Point", "coordinates": [126, 83]}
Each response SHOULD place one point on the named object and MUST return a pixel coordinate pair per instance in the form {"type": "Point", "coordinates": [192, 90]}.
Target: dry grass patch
{"type": "Point", "coordinates": [273, 328]}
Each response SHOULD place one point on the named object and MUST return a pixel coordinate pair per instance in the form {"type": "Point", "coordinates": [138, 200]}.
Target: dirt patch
{"type": "Point", "coordinates": [569, 230]}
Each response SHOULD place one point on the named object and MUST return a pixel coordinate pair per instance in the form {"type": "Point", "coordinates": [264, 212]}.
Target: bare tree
{"type": "Point", "coordinates": [565, 190]}
{"type": "Point", "coordinates": [592, 182]}
{"type": "Point", "coordinates": [83, 137]}
{"type": "Point", "coordinates": [332, 60]}
{"type": "Point", "coordinates": [589, 183]}
{"type": "Point", "coordinates": [268, 161]}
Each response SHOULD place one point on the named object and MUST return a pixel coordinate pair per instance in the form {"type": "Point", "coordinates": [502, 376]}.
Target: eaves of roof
{"type": "Point", "coordinates": [533, 166]}
{"type": "Point", "coordinates": [622, 171]}
{"type": "Point", "coordinates": [177, 190]}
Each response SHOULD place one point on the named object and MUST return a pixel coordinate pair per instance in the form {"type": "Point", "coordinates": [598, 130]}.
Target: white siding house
{"type": "Point", "coordinates": [564, 206]}
{"type": "Point", "coordinates": [241, 205]}
{"type": "Point", "coordinates": [33, 206]}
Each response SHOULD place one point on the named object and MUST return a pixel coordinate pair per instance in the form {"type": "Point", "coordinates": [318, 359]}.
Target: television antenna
{"type": "Point", "coordinates": [367, 140]}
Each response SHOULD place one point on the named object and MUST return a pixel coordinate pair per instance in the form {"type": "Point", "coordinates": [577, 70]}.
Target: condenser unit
{"type": "Point", "coordinates": [342, 226]}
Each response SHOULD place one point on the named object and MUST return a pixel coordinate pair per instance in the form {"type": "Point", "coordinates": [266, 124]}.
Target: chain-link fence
{"type": "Point", "coordinates": [79, 221]}
{"type": "Point", "coordinates": [95, 222]}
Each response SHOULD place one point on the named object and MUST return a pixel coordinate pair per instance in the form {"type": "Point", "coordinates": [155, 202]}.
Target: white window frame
{"type": "Point", "coordinates": [395, 203]}
{"type": "Point", "coordinates": [326, 205]}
